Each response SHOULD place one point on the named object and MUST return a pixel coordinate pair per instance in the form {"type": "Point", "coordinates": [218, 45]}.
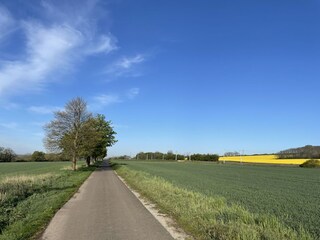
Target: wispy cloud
{"type": "Point", "coordinates": [9, 125]}
{"type": "Point", "coordinates": [6, 22]}
{"type": "Point", "coordinates": [107, 99]}
{"type": "Point", "coordinates": [43, 109]}
{"type": "Point", "coordinates": [51, 47]}
{"type": "Point", "coordinates": [125, 66]}
{"type": "Point", "coordinates": [105, 44]}
{"type": "Point", "coordinates": [104, 100]}
{"type": "Point", "coordinates": [133, 92]}
{"type": "Point", "coordinates": [128, 62]}
{"type": "Point", "coordinates": [47, 50]}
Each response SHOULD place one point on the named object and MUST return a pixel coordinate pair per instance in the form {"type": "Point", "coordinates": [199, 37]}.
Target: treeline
{"type": "Point", "coordinates": [172, 156]}
{"type": "Point", "coordinates": [159, 156]}
{"type": "Point", "coordinates": [205, 157]}
{"type": "Point", "coordinates": [308, 151]}
{"type": "Point", "coordinates": [231, 154]}
{"type": "Point", "coordinates": [8, 155]}
{"type": "Point", "coordinates": [39, 156]}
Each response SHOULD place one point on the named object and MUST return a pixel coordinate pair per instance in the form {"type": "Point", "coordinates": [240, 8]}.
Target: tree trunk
{"type": "Point", "coordinates": [88, 161]}
{"type": "Point", "coordinates": [74, 162]}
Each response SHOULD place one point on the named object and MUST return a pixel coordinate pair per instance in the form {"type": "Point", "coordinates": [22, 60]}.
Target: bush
{"type": "Point", "coordinates": [311, 164]}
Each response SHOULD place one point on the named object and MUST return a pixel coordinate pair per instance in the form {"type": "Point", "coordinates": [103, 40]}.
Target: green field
{"type": "Point", "coordinates": [291, 194]}
{"type": "Point", "coordinates": [27, 168]}
{"type": "Point", "coordinates": [31, 193]}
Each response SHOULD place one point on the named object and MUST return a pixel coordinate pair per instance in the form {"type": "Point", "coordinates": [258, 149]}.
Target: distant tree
{"type": "Point", "coordinates": [67, 132]}
{"type": "Point", "coordinates": [228, 154]}
{"type": "Point", "coordinates": [38, 156]}
{"type": "Point", "coordinates": [7, 155]}
{"type": "Point", "coordinates": [170, 156]}
{"type": "Point", "coordinates": [307, 151]}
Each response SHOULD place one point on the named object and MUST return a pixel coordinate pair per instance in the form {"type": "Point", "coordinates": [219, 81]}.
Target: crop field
{"type": "Point", "coordinates": [31, 193]}
{"type": "Point", "coordinates": [270, 159]}
{"type": "Point", "coordinates": [287, 197]}
{"type": "Point", "coordinates": [26, 168]}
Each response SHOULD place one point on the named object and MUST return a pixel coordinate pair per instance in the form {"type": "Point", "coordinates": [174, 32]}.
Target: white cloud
{"type": "Point", "coordinates": [132, 93]}
{"type": "Point", "coordinates": [107, 99]}
{"type": "Point", "coordinates": [52, 48]}
{"type": "Point", "coordinates": [43, 109]}
{"type": "Point", "coordinates": [125, 66]}
{"type": "Point", "coordinates": [47, 50]}
{"type": "Point", "coordinates": [128, 62]}
{"type": "Point", "coordinates": [104, 100]}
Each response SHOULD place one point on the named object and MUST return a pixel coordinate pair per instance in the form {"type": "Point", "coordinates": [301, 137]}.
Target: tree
{"type": "Point", "coordinates": [66, 132]}
{"type": "Point", "coordinates": [99, 135]}
{"type": "Point", "coordinates": [38, 156]}
{"type": "Point", "coordinates": [7, 155]}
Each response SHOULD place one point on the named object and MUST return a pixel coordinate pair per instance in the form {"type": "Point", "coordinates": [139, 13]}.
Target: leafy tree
{"type": "Point", "coordinates": [7, 155]}
{"type": "Point", "coordinates": [106, 134]}
{"type": "Point", "coordinates": [38, 156]}
{"type": "Point", "coordinates": [67, 132]}
{"type": "Point", "coordinates": [99, 135]}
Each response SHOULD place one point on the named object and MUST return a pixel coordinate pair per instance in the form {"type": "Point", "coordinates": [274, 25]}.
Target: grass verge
{"type": "Point", "coordinates": [28, 202]}
{"type": "Point", "coordinates": [207, 217]}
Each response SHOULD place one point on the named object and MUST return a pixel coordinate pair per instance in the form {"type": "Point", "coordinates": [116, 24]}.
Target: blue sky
{"type": "Point", "coordinates": [187, 76]}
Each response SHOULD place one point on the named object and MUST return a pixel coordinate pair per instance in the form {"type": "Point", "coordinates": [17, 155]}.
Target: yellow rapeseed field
{"type": "Point", "coordinates": [272, 159]}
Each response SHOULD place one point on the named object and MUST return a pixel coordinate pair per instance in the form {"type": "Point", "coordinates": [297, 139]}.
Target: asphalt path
{"type": "Point", "coordinates": [104, 208]}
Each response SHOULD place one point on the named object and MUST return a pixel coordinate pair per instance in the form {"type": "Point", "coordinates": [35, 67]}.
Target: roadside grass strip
{"type": "Point", "coordinates": [207, 217]}
{"type": "Point", "coordinates": [28, 202]}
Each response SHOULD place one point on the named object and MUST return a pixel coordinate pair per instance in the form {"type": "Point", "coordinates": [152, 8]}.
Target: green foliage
{"type": "Point", "coordinates": [98, 135]}
{"type": "Point", "coordinates": [38, 156]}
{"type": "Point", "coordinates": [31, 193]}
{"type": "Point", "coordinates": [312, 163]}
{"type": "Point", "coordinates": [208, 217]}
{"type": "Point", "coordinates": [205, 157]}
{"type": "Point", "coordinates": [159, 156]}
{"type": "Point", "coordinates": [288, 193]}
{"type": "Point", "coordinates": [7, 155]}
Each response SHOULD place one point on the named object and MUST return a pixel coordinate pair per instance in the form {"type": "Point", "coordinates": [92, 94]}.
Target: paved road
{"type": "Point", "coordinates": [104, 208]}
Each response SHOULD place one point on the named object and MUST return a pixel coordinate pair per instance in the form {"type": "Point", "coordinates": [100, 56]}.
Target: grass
{"type": "Point", "coordinates": [269, 159]}
{"type": "Point", "coordinates": [31, 193]}
{"type": "Point", "coordinates": [289, 195]}
{"type": "Point", "coordinates": [27, 168]}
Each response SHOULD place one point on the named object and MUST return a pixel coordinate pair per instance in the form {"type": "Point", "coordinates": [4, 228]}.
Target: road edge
{"type": "Point", "coordinates": [168, 223]}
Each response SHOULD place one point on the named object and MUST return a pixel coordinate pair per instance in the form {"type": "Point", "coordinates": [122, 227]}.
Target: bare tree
{"type": "Point", "coordinates": [66, 132]}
